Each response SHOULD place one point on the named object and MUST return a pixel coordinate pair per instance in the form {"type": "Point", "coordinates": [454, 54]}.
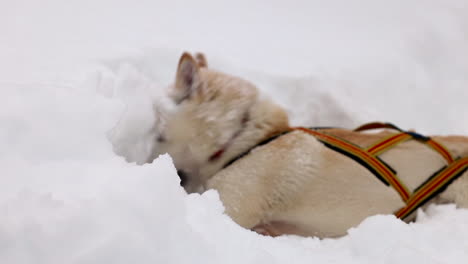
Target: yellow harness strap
{"type": "Point", "coordinates": [365, 158]}
{"type": "Point", "coordinates": [393, 140]}
{"type": "Point", "coordinates": [387, 143]}
{"type": "Point", "coordinates": [368, 157]}
{"type": "Point", "coordinates": [433, 186]}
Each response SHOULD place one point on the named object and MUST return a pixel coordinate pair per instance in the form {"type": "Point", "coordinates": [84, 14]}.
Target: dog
{"type": "Point", "coordinates": [223, 135]}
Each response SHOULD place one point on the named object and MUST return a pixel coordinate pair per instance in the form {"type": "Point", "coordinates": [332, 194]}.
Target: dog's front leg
{"type": "Point", "coordinates": [241, 199]}
{"type": "Point", "coordinates": [250, 206]}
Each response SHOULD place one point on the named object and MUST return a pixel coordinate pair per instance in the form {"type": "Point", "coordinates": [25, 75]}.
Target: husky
{"type": "Point", "coordinates": [223, 135]}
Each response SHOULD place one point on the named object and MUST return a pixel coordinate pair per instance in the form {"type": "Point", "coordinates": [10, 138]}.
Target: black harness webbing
{"type": "Point", "coordinates": [368, 158]}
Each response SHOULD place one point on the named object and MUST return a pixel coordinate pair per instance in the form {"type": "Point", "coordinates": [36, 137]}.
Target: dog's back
{"type": "Point", "coordinates": [295, 184]}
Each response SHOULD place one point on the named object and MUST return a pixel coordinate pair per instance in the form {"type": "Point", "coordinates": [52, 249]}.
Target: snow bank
{"type": "Point", "coordinates": [68, 196]}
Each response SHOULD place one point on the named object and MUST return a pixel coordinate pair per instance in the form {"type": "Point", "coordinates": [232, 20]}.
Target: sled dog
{"type": "Point", "coordinates": [276, 180]}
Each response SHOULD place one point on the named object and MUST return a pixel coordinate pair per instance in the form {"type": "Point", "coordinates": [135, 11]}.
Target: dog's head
{"type": "Point", "coordinates": [209, 122]}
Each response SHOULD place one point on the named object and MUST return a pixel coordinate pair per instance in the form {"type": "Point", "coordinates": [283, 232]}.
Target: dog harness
{"type": "Point", "coordinates": [369, 158]}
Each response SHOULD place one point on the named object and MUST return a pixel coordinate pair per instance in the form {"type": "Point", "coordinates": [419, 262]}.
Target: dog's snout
{"type": "Point", "coordinates": [183, 177]}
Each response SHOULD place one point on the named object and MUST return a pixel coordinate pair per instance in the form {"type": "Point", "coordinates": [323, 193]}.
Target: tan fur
{"type": "Point", "coordinates": [294, 184]}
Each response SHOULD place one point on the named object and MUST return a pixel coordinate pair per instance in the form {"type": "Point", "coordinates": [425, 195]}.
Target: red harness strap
{"type": "Point", "coordinates": [369, 158]}
{"type": "Point", "coordinates": [433, 186]}
{"type": "Point", "coordinates": [393, 140]}
{"type": "Point", "coordinates": [387, 143]}
{"type": "Point", "coordinates": [441, 149]}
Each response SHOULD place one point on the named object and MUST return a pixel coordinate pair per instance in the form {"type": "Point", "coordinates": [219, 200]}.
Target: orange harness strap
{"type": "Point", "coordinates": [433, 186]}
{"type": "Point", "coordinates": [365, 158]}
{"type": "Point", "coordinates": [441, 149]}
{"type": "Point", "coordinates": [393, 140]}
{"type": "Point", "coordinates": [387, 143]}
{"type": "Point", "coordinates": [369, 158]}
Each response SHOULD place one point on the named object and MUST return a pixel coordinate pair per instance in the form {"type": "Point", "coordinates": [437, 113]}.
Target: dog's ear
{"type": "Point", "coordinates": [187, 78]}
{"type": "Point", "coordinates": [201, 60]}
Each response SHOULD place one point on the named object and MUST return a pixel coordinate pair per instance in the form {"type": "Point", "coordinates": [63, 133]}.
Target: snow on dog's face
{"type": "Point", "coordinates": [212, 109]}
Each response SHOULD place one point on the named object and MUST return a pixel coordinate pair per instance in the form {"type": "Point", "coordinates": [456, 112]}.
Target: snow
{"type": "Point", "coordinates": [77, 83]}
